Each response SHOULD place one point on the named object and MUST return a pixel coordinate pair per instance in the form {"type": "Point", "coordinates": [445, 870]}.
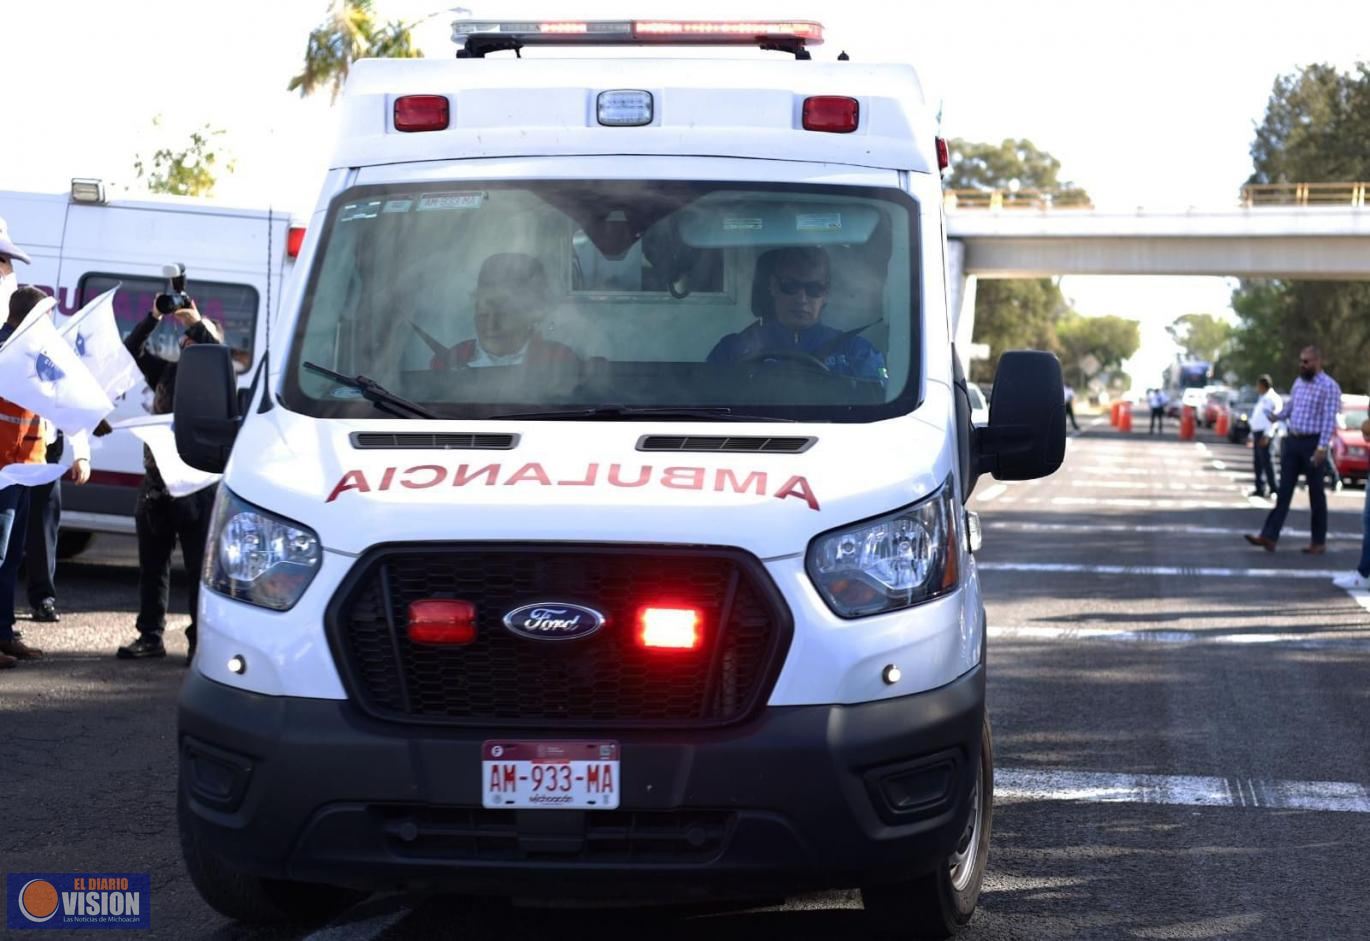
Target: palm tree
{"type": "Point", "coordinates": [349, 32]}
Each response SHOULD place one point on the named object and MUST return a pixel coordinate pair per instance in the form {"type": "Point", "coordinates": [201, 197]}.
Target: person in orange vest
{"type": "Point", "coordinates": [21, 442]}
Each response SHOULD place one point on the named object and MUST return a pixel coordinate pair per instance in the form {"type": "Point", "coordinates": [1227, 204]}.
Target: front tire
{"type": "Point", "coordinates": [252, 899]}
{"type": "Point", "coordinates": [941, 903]}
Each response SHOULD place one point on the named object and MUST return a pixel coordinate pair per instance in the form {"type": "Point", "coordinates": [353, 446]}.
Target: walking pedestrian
{"type": "Point", "coordinates": [1311, 417]}
{"type": "Point", "coordinates": [1263, 435]}
{"type": "Point", "coordinates": [1359, 579]}
{"type": "Point", "coordinates": [21, 442]}
{"type": "Point", "coordinates": [45, 518]}
{"type": "Point", "coordinates": [160, 519]}
{"type": "Point", "coordinates": [1155, 399]}
{"type": "Point", "coordinates": [1070, 406]}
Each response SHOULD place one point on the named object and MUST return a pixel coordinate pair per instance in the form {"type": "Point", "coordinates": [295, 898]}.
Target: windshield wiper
{"type": "Point", "coordinates": [611, 412]}
{"type": "Point", "coordinates": [375, 393]}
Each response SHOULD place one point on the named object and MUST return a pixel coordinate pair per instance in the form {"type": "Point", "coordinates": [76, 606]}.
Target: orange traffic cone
{"type": "Point", "coordinates": [1187, 423]}
{"type": "Point", "coordinates": [1221, 429]}
{"type": "Point", "coordinates": [1115, 414]}
{"type": "Point", "coordinates": [1125, 419]}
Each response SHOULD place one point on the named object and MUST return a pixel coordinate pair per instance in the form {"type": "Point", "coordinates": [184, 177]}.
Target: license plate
{"type": "Point", "coordinates": [550, 775]}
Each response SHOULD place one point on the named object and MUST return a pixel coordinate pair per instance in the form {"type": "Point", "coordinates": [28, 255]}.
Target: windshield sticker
{"type": "Point", "coordinates": [398, 205]}
{"type": "Point", "coordinates": [431, 202]}
{"type": "Point", "coordinates": [739, 224]}
{"type": "Point", "coordinates": [367, 210]}
{"type": "Point", "coordinates": [717, 480]}
{"type": "Point", "coordinates": [346, 393]}
{"type": "Point", "coordinates": [818, 222]}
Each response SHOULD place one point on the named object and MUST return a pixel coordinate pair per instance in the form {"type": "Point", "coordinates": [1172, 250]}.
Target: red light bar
{"type": "Point", "coordinates": [294, 240]}
{"type": "Point", "coordinates": [669, 628]}
{"type": "Point", "coordinates": [441, 621]}
{"type": "Point", "coordinates": [943, 154]}
{"type": "Point", "coordinates": [724, 30]}
{"type": "Point", "coordinates": [421, 113]}
{"type": "Point", "coordinates": [478, 38]}
{"type": "Point", "coordinates": [831, 113]}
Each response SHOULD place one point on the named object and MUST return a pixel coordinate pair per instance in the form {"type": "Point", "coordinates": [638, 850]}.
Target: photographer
{"type": "Point", "coordinates": [160, 518]}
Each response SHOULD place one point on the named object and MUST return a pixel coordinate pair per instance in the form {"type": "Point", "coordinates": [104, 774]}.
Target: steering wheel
{"type": "Point", "coordinates": [791, 356]}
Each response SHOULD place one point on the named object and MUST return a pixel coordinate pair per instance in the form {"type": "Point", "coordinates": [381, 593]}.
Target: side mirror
{"type": "Point", "coordinates": [206, 406]}
{"type": "Point", "coordinates": [1026, 435]}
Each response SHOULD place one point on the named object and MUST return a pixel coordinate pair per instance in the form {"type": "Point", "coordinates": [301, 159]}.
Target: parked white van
{"type": "Point", "coordinates": [598, 528]}
{"type": "Point", "coordinates": [83, 243]}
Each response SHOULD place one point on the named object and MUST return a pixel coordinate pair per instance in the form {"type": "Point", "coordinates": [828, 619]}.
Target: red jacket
{"type": "Point", "coordinates": [539, 354]}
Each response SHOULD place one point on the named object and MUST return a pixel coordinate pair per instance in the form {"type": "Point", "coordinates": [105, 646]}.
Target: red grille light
{"type": "Point", "coordinates": [669, 628]}
{"type": "Point", "coordinates": [832, 113]}
{"type": "Point", "coordinates": [421, 113]}
{"type": "Point", "coordinates": [294, 240]}
{"type": "Point", "coordinates": [442, 621]}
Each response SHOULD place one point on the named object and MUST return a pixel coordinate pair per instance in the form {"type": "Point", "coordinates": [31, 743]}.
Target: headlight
{"type": "Point", "coordinates": [890, 562]}
{"type": "Point", "coordinates": [258, 557]}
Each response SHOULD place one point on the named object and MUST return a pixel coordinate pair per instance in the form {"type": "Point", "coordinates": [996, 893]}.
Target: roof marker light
{"type": "Point", "coordinates": [834, 114]}
{"type": "Point", "coordinates": [943, 154]}
{"type": "Point", "coordinates": [294, 240]}
{"type": "Point", "coordinates": [422, 113]}
{"type": "Point", "coordinates": [624, 108]}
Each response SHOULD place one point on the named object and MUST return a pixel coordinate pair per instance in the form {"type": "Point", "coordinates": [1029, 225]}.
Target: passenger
{"type": "Point", "coordinates": [512, 299]}
{"type": "Point", "coordinates": [791, 310]}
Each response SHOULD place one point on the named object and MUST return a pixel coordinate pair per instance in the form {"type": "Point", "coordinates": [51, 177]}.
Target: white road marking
{"type": "Point", "coordinates": [1148, 485]}
{"type": "Point", "coordinates": [1352, 638]}
{"type": "Point", "coordinates": [363, 930]}
{"type": "Point", "coordinates": [1030, 784]}
{"type": "Point", "coordinates": [1177, 530]}
{"type": "Point", "coordinates": [1140, 503]}
{"type": "Point", "coordinates": [1062, 568]}
{"type": "Point", "coordinates": [1360, 597]}
{"type": "Point", "coordinates": [992, 493]}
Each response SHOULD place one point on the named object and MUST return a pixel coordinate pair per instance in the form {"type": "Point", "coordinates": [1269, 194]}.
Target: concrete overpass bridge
{"type": "Point", "coordinates": [1298, 231]}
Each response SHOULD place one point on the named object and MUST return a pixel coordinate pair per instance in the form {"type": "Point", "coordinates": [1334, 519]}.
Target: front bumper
{"type": "Point", "coordinates": [799, 798]}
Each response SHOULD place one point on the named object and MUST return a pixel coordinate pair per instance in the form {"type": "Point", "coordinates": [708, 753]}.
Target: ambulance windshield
{"type": "Point", "coordinates": [477, 300]}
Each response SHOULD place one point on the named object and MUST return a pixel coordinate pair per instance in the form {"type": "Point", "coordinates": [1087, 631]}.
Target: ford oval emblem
{"type": "Point", "coordinates": [554, 621]}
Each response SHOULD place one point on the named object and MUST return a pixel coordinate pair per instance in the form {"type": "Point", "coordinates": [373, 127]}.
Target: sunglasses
{"type": "Point", "coordinates": [792, 286]}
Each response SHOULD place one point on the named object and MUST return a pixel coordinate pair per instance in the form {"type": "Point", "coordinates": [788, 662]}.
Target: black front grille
{"type": "Point", "coordinates": [603, 679]}
{"type": "Point", "coordinates": [735, 443]}
{"type": "Point", "coordinates": [604, 836]}
{"type": "Point", "coordinates": [371, 440]}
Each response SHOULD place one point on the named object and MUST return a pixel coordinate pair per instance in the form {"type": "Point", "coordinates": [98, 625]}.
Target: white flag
{"type": "Point", "coordinates": [93, 333]}
{"type": "Point", "coordinates": [156, 432]}
{"type": "Point", "coordinates": [39, 371]}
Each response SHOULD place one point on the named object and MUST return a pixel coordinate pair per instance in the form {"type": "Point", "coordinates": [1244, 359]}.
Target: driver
{"type": "Point", "coordinates": [798, 291]}
{"type": "Point", "coordinates": [512, 299]}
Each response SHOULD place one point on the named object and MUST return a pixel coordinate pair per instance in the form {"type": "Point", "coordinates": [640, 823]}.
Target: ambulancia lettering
{"type": "Point", "coordinates": [546, 621]}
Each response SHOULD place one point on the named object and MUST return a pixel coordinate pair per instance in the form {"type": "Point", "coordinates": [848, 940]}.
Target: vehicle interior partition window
{"type": "Point", "coordinates": [480, 300]}
{"type": "Point", "coordinates": [232, 307]}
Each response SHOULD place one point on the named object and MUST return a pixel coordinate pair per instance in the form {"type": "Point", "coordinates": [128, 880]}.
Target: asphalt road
{"type": "Point", "coordinates": [1179, 719]}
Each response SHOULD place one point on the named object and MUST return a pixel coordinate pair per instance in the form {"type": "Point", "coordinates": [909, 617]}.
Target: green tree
{"type": "Point", "coordinates": [1314, 130]}
{"type": "Point", "coordinates": [1018, 313]}
{"type": "Point", "coordinates": [1202, 336]}
{"type": "Point", "coordinates": [349, 32]}
{"type": "Point", "coordinates": [1093, 346]}
{"type": "Point", "coordinates": [189, 171]}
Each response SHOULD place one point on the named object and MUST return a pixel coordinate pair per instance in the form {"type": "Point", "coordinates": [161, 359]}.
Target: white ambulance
{"type": "Point", "coordinates": [82, 243]}
{"type": "Point", "coordinates": [598, 528]}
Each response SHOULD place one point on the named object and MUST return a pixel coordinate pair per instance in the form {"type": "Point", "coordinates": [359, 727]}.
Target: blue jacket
{"type": "Point", "coordinates": [853, 356]}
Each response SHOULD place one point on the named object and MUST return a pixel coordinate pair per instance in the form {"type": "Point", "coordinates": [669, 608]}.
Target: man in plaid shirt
{"type": "Point", "coordinates": [1311, 416]}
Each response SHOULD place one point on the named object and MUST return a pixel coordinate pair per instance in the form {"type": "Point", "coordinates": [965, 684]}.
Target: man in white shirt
{"type": "Point", "coordinates": [1069, 394]}
{"type": "Point", "coordinates": [1156, 400]}
{"type": "Point", "coordinates": [1262, 433]}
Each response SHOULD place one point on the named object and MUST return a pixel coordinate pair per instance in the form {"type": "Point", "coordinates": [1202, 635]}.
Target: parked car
{"type": "Point", "coordinates": [1239, 428]}
{"type": "Point", "coordinates": [1349, 448]}
{"type": "Point", "coordinates": [979, 408]}
{"type": "Point", "coordinates": [1215, 403]}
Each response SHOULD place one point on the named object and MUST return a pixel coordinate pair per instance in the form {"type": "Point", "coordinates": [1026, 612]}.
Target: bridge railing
{"type": "Point", "coordinates": [1014, 199]}
{"type": "Point", "coordinates": [1305, 194]}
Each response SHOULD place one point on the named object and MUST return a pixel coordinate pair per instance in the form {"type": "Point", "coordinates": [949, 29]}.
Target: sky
{"type": "Point", "coordinates": [1146, 104]}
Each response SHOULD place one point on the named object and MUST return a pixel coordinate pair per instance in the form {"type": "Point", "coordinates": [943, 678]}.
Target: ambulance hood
{"type": "Point", "coordinates": [586, 481]}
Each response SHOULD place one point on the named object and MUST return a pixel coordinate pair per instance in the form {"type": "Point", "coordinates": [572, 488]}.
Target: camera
{"type": "Point", "coordinates": [176, 298]}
